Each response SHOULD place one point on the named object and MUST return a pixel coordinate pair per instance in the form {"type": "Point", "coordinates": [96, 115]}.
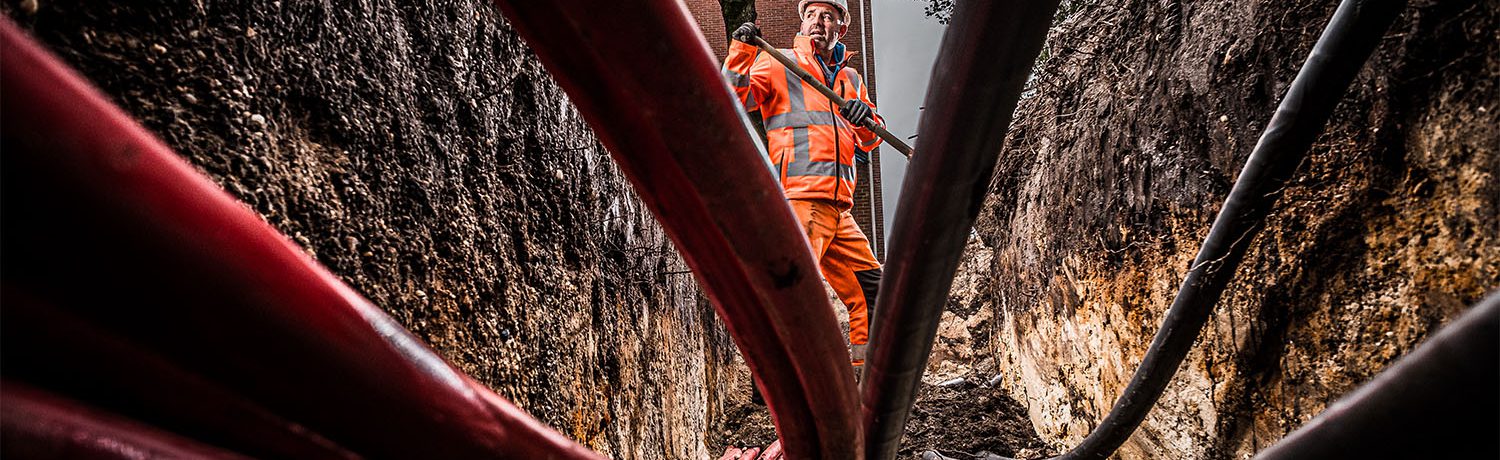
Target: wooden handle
{"type": "Point", "coordinates": [879, 130]}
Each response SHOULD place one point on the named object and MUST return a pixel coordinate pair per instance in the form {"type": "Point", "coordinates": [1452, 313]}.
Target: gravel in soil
{"type": "Point", "coordinates": [959, 420]}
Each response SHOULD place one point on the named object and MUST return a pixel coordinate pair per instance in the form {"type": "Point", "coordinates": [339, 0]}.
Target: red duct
{"type": "Point", "coordinates": [38, 425]}
{"type": "Point", "coordinates": [55, 350]}
{"type": "Point", "coordinates": [643, 76]}
{"type": "Point", "coordinates": [104, 221]}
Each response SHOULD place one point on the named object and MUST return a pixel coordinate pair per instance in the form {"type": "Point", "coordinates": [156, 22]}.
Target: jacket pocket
{"type": "Point", "coordinates": [785, 155]}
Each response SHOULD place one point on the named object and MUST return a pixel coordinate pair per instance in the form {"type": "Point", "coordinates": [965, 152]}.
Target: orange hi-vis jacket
{"type": "Point", "coordinates": [811, 146]}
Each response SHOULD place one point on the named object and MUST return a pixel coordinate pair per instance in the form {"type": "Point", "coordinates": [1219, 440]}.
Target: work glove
{"type": "Point", "coordinates": [856, 112]}
{"type": "Point", "coordinates": [747, 33]}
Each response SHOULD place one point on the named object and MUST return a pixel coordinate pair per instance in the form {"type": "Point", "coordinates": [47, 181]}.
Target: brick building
{"type": "Point", "coordinates": [779, 22]}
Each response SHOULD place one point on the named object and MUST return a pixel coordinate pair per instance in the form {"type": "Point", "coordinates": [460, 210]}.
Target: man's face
{"type": "Point", "coordinates": [822, 22]}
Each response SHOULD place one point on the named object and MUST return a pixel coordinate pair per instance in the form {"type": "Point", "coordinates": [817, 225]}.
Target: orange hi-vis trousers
{"type": "Point", "coordinates": [843, 253]}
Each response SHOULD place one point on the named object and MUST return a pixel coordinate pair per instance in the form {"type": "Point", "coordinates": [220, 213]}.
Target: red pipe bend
{"type": "Point", "coordinates": [36, 424]}
{"type": "Point", "coordinates": [643, 76]}
{"type": "Point", "coordinates": [93, 199]}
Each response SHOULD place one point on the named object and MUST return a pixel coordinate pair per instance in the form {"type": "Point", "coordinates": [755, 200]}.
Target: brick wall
{"type": "Point", "coordinates": [711, 22]}
{"type": "Point", "coordinates": [779, 22]}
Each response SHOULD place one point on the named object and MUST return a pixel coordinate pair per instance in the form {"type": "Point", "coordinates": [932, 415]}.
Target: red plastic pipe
{"type": "Point", "coordinates": [100, 215]}
{"type": "Point", "coordinates": [643, 76]}
{"type": "Point", "coordinates": [38, 425]}
{"type": "Point", "coordinates": [49, 348]}
{"type": "Point", "coordinates": [988, 52]}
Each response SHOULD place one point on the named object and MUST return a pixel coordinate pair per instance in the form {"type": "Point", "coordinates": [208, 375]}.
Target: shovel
{"type": "Point", "coordinates": [890, 139]}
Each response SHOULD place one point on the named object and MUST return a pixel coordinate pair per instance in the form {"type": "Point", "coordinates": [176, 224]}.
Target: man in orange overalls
{"type": "Point", "coordinates": [814, 146]}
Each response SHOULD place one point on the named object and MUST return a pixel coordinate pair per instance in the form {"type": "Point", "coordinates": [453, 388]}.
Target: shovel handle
{"type": "Point", "coordinates": [890, 139]}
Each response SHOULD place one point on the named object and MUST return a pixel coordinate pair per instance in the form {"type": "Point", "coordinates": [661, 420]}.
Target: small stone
{"type": "Point", "coordinates": [1223, 118]}
{"type": "Point", "coordinates": [421, 293]}
{"type": "Point", "coordinates": [29, 6]}
{"type": "Point", "coordinates": [258, 119]}
{"type": "Point", "coordinates": [190, 98]}
{"type": "Point", "coordinates": [158, 49]}
{"type": "Point", "coordinates": [557, 173]}
{"type": "Point", "coordinates": [249, 32]}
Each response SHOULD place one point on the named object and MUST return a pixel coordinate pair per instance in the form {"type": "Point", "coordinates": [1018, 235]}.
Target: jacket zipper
{"type": "Point", "coordinates": [838, 177]}
{"type": "Point", "coordinates": [782, 169]}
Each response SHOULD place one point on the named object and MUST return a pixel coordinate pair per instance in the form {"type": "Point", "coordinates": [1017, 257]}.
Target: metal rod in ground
{"type": "Point", "coordinates": [879, 130]}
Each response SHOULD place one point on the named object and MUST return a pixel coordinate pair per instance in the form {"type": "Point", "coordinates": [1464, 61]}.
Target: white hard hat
{"type": "Point", "coordinates": [842, 5]}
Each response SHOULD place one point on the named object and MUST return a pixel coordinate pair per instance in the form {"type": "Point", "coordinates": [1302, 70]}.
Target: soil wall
{"type": "Point", "coordinates": [1121, 154]}
{"type": "Point", "coordinates": [420, 152]}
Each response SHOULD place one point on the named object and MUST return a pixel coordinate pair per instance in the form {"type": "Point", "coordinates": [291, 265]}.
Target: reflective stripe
{"type": "Point", "coordinates": [736, 79]}
{"type": "Point", "coordinates": [855, 80]}
{"type": "Point", "coordinates": [857, 352]}
{"type": "Point", "coordinates": [871, 144]}
{"type": "Point", "coordinates": [819, 168]}
{"type": "Point", "coordinates": [801, 152]}
{"type": "Point", "coordinates": [794, 88]}
{"type": "Point", "coordinates": [800, 119]}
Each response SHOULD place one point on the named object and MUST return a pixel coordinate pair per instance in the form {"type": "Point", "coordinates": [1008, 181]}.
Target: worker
{"type": "Point", "coordinates": [813, 146]}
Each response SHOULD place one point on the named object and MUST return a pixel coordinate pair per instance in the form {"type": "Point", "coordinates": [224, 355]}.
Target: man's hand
{"type": "Point", "coordinates": [856, 112]}
{"type": "Point", "coordinates": [747, 33]}
{"type": "Point", "coordinates": [772, 452]}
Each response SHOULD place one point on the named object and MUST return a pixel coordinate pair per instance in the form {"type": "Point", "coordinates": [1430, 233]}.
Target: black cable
{"type": "Point", "coordinates": [988, 52]}
{"type": "Point", "coordinates": [1350, 37]}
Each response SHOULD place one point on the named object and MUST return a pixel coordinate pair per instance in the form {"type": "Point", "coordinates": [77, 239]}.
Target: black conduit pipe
{"type": "Point", "coordinates": [988, 52]}
{"type": "Point", "coordinates": [1442, 400]}
{"type": "Point", "coordinates": [1352, 34]}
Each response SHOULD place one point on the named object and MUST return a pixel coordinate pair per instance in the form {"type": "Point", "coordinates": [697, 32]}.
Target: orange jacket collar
{"type": "Point", "coordinates": [806, 54]}
{"type": "Point", "coordinates": [804, 46]}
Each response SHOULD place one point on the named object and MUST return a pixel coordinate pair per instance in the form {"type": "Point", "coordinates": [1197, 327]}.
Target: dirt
{"type": "Point", "coordinates": [423, 155]}
{"type": "Point", "coordinates": [966, 420]}
{"type": "Point", "coordinates": [958, 420]}
{"type": "Point", "coordinates": [1123, 150]}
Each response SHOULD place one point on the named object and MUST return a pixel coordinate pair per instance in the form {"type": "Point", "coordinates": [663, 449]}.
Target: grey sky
{"type": "Point", "coordinates": [906, 43]}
